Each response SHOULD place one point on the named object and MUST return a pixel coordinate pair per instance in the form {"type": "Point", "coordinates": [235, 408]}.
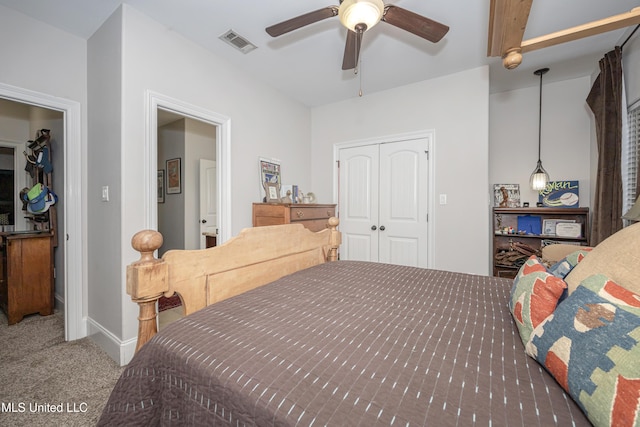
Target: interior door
{"type": "Point", "coordinates": [208, 205]}
{"type": "Point", "coordinates": [383, 202]}
{"type": "Point", "coordinates": [359, 202]}
{"type": "Point", "coordinates": [403, 203]}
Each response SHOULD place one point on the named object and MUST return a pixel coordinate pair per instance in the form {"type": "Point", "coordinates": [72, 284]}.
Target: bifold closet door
{"type": "Point", "coordinates": [383, 202]}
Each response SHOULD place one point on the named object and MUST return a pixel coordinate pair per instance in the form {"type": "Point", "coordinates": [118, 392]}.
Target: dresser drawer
{"type": "Point", "coordinates": [303, 213]}
{"type": "Point", "coordinates": [312, 216]}
{"type": "Point", "coordinates": [270, 211]}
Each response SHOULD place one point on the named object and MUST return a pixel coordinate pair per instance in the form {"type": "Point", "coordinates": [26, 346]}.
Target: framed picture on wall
{"type": "Point", "coordinates": [269, 176]}
{"type": "Point", "coordinates": [161, 186]}
{"type": "Point", "coordinates": [174, 176]}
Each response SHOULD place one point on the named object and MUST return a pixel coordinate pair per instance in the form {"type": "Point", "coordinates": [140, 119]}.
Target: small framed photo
{"type": "Point", "coordinates": [272, 192]}
{"type": "Point", "coordinates": [506, 195]}
{"type": "Point", "coordinates": [174, 176]}
{"type": "Point", "coordinates": [161, 186]}
{"type": "Point", "coordinates": [549, 227]}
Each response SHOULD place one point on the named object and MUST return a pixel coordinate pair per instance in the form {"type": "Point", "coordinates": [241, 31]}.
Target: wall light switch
{"type": "Point", "coordinates": [443, 199]}
{"type": "Point", "coordinates": [105, 193]}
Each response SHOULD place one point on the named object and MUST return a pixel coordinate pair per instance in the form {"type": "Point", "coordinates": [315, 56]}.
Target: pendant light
{"type": "Point", "coordinates": [539, 177]}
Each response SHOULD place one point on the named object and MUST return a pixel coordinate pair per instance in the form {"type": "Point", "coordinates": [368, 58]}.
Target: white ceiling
{"type": "Point", "coordinates": [306, 63]}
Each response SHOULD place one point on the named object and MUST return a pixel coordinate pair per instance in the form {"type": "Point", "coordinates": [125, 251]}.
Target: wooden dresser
{"type": "Point", "coordinates": [312, 216]}
{"type": "Point", "coordinates": [26, 282]}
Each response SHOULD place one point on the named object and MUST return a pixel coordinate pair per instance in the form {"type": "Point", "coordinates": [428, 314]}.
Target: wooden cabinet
{"type": "Point", "coordinates": [26, 283]}
{"type": "Point", "coordinates": [540, 224]}
{"type": "Point", "coordinates": [312, 216]}
{"type": "Point", "coordinates": [211, 240]}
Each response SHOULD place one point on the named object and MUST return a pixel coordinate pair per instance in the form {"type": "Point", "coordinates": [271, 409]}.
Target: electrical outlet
{"type": "Point", "coordinates": [105, 193]}
{"type": "Point", "coordinates": [443, 199]}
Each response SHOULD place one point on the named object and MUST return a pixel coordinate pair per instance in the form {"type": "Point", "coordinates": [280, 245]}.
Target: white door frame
{"type": "Point", "coordinates": [430, 136]}
{"type": "Point", "coordinates": [222, 123]}
{"type": "Point", "coordinates": [75, 221]}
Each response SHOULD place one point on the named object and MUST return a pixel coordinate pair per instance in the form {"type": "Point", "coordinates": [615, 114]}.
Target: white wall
{"type": "Point", "coordinates": [456, 107]}
{"type": "Point", "coordinates": [14, 122]}
{"type": "Point", "coordinates": [264, 123]}
{"type": "Point", "coordinates": [565, 142]}
{"type": "Point", "coordinates": [41, 58]}
{"type": "Point", "coordinates": [106, 294]}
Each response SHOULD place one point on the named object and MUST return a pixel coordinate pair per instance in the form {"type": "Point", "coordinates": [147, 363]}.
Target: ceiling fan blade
{"type": "Point", "coordinates": [417, 24]}
{"type": "Point", "coordinates": [352, 50]}
{"type": "Point", "coordinates": [301, 21]}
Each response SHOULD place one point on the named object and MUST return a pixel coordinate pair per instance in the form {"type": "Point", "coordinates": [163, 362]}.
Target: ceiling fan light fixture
{"type": "Point", "coordinates": [355, 12]}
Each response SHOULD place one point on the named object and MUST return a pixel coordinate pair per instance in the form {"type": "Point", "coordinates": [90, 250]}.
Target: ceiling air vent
{"type": "Point", "coordinates": [237, 41]}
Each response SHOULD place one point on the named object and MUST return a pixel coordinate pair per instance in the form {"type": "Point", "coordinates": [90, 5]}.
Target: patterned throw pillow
{"type": "Point", "coordinates": [534, 296]}
{"type": "Point", "coordinates": [591, 346]}
{"type": "Point", "coordinates": [564, 266]}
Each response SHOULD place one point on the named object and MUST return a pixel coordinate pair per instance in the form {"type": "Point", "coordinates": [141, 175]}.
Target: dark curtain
{"type": "Point", "coordinates": [605, 100]}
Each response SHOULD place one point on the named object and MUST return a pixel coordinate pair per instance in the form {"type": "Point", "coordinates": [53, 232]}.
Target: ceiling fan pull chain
{"type": "Point", "coordinates": [360, 91]}
{"type": "Point", "coordinates": [359, 61]}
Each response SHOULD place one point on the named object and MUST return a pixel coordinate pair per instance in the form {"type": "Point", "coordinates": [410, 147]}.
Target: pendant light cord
{"type": "Point", "coordinates": [540, 73]}
{"type": "Point", "coordinates": [540, 119]}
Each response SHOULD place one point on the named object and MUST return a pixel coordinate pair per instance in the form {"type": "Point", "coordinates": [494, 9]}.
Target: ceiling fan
{"type": "Point", "coordinates": [359, 16]}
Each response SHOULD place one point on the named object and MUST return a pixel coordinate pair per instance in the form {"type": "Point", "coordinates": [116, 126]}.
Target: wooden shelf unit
{"type": "Point", "coordinates": [508, 217]}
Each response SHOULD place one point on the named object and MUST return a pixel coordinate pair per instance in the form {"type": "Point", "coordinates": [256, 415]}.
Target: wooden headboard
{"type": "Point", "coordinates": [253, 258]}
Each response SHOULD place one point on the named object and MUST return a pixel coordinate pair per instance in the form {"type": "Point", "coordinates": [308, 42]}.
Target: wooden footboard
{"type": "Point", "coordinates": [253, 258]}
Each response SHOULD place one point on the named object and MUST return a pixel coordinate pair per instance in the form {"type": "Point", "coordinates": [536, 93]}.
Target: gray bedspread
{"type": "Point", "coordinates": [345, 343]}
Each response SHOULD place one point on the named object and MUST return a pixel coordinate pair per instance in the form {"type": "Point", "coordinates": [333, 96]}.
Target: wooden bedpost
{"type": "Point", "coordinates": [147, 281]}
{"type": "Point", "coordinates": [335, 239]}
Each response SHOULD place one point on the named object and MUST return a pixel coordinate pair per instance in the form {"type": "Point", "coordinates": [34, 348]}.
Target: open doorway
{"type": "Point", "coordinates": [20, 125]}
{"type": "Point", "coordinates": [184, 144]}
{"type": "Point", "coordinates": [208, 144]}
{"type": "Point", "coordinates": [72, 225]}
{"type": "Point", "coordinates": [157, 106]}
{"type": "Point", "coordinates": [186, 150]}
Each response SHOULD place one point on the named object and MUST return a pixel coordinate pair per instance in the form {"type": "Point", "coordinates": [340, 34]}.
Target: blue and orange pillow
{"type": "Point", "coordinates": [563, 267]}
{"type": "Point", "coordinates": [534, 296]}
{"type": "Point", "coordinates": [591, 346]}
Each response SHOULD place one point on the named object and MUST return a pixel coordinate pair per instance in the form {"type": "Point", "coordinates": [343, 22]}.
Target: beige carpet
{"type": "Point", "coordinates": [41, 373]}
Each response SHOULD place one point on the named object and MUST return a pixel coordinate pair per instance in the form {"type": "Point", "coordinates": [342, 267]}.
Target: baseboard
{"type": "Point", "coordinates": [120, 351]}
{"type": "Point", "coordinates": [58, 301]}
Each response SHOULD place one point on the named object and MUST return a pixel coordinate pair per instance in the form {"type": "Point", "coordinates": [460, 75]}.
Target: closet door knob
{"type": "Point", "coordinates": [382, 228]}
{"type": "Point", "coordinates": [374, 228]}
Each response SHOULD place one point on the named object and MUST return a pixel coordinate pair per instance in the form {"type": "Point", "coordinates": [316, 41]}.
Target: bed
{"type": "Point", "coordinates": [327, 343]}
